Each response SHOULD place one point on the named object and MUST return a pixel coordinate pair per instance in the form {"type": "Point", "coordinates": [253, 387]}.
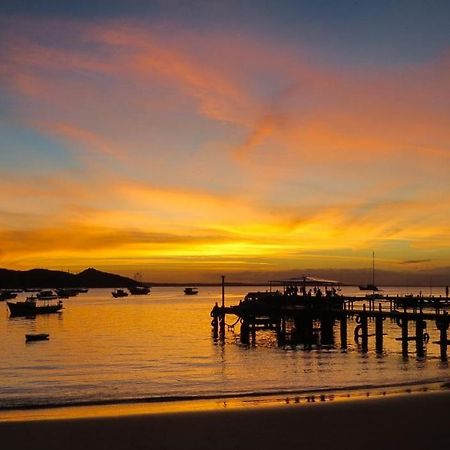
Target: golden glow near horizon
{"type": "Point", "coordinates": [134, 148]}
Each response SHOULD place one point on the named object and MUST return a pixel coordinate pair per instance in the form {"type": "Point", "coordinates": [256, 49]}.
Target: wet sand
{"type": "Point", "coordinates": [411, 421]}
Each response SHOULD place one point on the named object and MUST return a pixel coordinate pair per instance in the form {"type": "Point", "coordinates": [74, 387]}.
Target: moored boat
{"type": "Point", "coordinates": [37, 337]}
{"type": "Point", "coordinates": [190, 291]}
{"type": "Point", "coordinates": [46, 295]}
{"type": "Point", "coordinates": [375, 296]}
{"type": "Point", "coordinates": [119, 293]}
{"type": "Point", "coordinates": [7, 295]}
{"type": "Point", "coordinates": [67, 292]}
{"type": "Point", "coordinates": [368, 287]}
{"type": "Point", "coordinates": [30, 307]}
{"type": "Point", "coordinates": [139, 290]}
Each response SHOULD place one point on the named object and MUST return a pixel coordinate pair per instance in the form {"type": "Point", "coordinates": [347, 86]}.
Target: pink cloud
{"type": "Point", "coordinates": [280, 144]}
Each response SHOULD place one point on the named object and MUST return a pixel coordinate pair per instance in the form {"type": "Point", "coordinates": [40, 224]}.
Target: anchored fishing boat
{"type": "Point", "coordinates": [139, 290]}
{"type": "Point", "coordinates": [46, 295]}
{"type": "Point", "coordinates": [190, 291]}
{"type": "Point", "coordinates": [67, 292]}
{"type": "Point", "coordinates": [7, 295]}
{"type": "Point", "coordinates": [37, 337]}
{"type": "Point", "coordinates": [119, 293]}
{"type": "Point", "coordinates": [30, 307]}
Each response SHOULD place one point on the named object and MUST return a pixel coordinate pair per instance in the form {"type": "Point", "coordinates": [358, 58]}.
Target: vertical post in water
{"type": "Point", "coordinates": [443, 323]}
{"type": "Point", "coordinates": [379, 332]}
{"type": "Point", "coordinates": [343, 321]}
{"type": "Point", "coordinates": [327, 321]}
{"type": "Point", "coordinates": [280, 335]}
{"type": "Point", "coordinates": [245, 331]}
{"type": "Point", "coordinates": [253, 331]}
{"type": "Point", "coordinates": [215, 322]}
{"type": "Point", "coordinates": [364, 331]}
{"type": "Point", "coordinates": [419, 337]}
{"type": "Point", "coordinates": [404, 325]}
{"type": "Point", "coordinates": [222, 318]}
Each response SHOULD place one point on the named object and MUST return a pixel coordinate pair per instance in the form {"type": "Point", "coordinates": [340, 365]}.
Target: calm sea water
{"type": "Point", "coordinates": [161, 345]}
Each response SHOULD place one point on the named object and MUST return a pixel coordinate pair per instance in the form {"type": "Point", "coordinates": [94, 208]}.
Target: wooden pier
{"type": "Point", "coordinates": [296, 319]}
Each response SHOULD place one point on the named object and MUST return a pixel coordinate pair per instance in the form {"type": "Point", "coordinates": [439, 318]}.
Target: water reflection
{"type": "Point", "coordinates": [162, 346]}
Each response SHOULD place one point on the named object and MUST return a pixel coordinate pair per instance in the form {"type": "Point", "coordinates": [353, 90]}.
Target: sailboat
{"type": "Point", "coordinates": [371, 286]}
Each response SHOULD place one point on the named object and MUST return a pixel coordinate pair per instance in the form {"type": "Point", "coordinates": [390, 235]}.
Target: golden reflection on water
{"type": "Point", "coordinates": [106, 350]}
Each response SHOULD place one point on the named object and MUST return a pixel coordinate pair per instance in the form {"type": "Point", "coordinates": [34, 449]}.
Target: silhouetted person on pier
{"type": "Point", "coordinates": [446, 291]}
{"type": "Point", "coordinates": [215, 310]}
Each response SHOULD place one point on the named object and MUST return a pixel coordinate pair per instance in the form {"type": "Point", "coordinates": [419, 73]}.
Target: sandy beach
{"type": "Point", "coordinates": [410, 421]}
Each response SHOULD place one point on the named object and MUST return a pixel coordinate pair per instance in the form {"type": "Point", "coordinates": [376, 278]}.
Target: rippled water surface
{"type": "Point", "coordinates": [161, 345]}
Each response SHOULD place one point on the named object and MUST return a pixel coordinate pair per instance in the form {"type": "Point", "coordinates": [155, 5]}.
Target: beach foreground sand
{"type": "Point", "coordinates": [419, 421]}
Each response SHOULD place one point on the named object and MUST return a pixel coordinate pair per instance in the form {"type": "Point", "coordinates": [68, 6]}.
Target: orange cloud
{"type": "Point", "coordinates": [212, 145]}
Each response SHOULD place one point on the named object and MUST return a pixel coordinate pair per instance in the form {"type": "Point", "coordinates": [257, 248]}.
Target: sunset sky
{"type": "Point", "coordinates": [185, 139]}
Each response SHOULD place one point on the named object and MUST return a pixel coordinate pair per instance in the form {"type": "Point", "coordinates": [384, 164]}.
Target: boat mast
{"type": "Point", "coordinates": [373, 271]}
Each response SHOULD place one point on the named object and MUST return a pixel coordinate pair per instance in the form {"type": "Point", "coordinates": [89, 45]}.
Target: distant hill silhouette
{"type": "Point", "coordinates": [89, 278]}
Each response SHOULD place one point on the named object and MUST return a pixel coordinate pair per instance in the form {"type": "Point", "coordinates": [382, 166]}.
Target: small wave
{"type": "Point", "coordinates": [444, 383]}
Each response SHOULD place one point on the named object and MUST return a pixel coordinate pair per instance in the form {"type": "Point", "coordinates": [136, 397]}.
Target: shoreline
{"type": "Point", "coordinates": [402, 421]}
{"type": "Point", "coordinates": [266, 284]}
{"type": "Point", "coordinates": [253, 400]}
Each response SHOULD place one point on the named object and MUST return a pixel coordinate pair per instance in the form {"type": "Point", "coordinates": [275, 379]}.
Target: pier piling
{"type": "Point", "coordinates": [327, 327]}
{"type": "Point", "coordinates": [223, 315]}
{"type": "Point", "coordinates": [245, 332]}
{"type": "Point", "coordinates": [343, 329]}
{"type": "Point", "coordinates": [442, 323]}
{"type": "Point", "coordinates": [379, 334]}
{"type": "Point", "coordinates": [404, 324]}
{"type": "Point", "coordinates": [364, 330]}
{"type": "Point", "coordinates": [420, 329]}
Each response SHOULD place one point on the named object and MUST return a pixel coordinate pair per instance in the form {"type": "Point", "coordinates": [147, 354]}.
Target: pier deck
{"type": "Point", "coordinates": [295, 318]}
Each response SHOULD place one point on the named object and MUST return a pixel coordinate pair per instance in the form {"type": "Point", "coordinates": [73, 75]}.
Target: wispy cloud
{"type": "Point", "coordinates": [205, 143]}
{"type": "Point", "coordinates": [415, 261]}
